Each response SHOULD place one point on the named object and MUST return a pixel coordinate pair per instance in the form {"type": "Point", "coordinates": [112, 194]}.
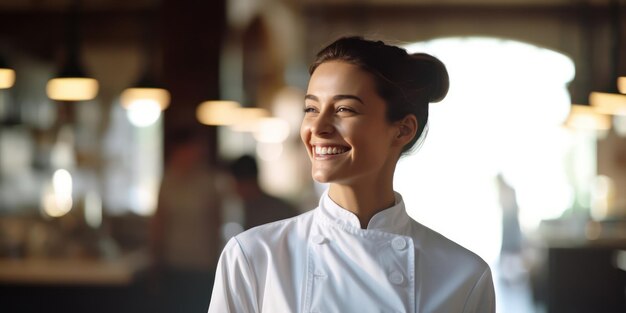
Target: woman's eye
{"type": "Point", "coordinates": [344, 109]}
{"type": "Point", "coordinates": [309, 110]}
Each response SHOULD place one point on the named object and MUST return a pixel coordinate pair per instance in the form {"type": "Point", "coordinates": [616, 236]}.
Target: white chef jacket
{"type": "Point", "coordinates": [322, 261]}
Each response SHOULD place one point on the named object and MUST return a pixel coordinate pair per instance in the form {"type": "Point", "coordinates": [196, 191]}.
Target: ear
{"type": "Point", "coordinates": [407, 128]}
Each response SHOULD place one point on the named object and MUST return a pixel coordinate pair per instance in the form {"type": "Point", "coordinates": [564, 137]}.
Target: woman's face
{"type": "Point", "coordinates": [344, 129]}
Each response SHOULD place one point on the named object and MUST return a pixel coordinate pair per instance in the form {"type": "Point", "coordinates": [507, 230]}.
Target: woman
{"type": "Point", "coordinates": [358, 251]}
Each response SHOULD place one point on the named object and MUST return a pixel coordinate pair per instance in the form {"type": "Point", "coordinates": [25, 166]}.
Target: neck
{"type": "Point", "coordinates": [364, 200]}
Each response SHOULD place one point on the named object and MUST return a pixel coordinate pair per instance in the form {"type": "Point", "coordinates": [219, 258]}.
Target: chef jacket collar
{"type": "Point", "coordinates": [393, 219]}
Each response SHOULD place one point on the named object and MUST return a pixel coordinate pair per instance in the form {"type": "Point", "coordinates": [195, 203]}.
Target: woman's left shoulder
{"type": "Point", "coordinates": [442, 249]}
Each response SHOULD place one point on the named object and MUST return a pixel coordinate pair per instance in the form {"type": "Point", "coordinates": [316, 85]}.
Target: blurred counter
{"type": "Point", "coordinates": [71, 285]}
{"type": "Point", "coordinates": [65, 265]}
{"type": "Point", "coordinates": [73, 271]}
{"type": "Point", "coordinates": [582, 267]}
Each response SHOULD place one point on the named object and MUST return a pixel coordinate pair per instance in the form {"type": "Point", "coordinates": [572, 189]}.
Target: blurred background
{"type": "Point", "coordinates": [136, 137]}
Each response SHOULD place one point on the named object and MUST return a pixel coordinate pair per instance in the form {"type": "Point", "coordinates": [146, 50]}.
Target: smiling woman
{"type": "Point", "coordinates": [358, 251]}
{"type": "Point", "coordinates": [344, 113]}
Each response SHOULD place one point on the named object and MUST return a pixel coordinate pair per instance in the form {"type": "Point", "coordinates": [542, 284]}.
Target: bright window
{"type": "Point", "coordinates": [503, 114]}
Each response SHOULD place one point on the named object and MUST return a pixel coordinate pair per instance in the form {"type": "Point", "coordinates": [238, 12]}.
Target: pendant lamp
{"type": "Point", "coordinates": [147, 90]}
{"type": "Point", "coordinates": [72, 84]}
{"type": "Point", "coordinates": [143, 92]}
{"type": "Point", "coordinates": [7, 75]}
{"type": "Point", "coordinates": [145, 100]}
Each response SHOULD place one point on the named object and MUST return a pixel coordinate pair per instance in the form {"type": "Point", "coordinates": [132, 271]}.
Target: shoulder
{"type": "Point", "coordinates": [453, 272]}
{"type": "Point", "coordinates": [449, 255]}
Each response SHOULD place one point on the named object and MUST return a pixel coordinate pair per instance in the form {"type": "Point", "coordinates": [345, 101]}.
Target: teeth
{"type": "Point", "coordinates": [328, 150]}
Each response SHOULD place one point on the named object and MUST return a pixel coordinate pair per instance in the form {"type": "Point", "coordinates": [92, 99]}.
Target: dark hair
{"type": "Point", "coordinates": [407, 82]}
{"type": "Point", "coordinates": [244, 167]}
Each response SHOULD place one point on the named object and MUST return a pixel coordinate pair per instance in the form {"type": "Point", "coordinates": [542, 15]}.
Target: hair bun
{"type": "Point", "coordinates": [434, 73]}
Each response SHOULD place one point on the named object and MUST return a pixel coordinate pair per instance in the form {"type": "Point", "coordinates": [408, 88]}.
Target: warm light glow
{"type": "Point", "coordinates": [247, 119]}
{"type": "Point", "coordinates": [7, 78]}
{"type": "Point", "coordinates": [158, 95]}
{"type": "Point", "coordinates": [271, 130]}
{"type": "Point", "coordinates": [58, 201]}
{"type": "Point", "coordinates": [621, 84]}
{"type": "Point", "coordinates": [217, 112]}
{"type": "Point", "coordinates": [62, 184]}
{"type": "Point", "coordinates": [142, 113]}
{"type": "Point", "coordinates": [608, 103]}
{"type": "Point", "coordinates": [584, 117]}
{"type": "Point", "coordinates": [72, 88]}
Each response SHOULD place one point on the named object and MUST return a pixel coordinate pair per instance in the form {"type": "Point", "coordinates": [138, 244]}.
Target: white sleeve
{"type": "Point", "coordinates": [234, 290]}
{"type": "Point", "coordinates": [482, 299]}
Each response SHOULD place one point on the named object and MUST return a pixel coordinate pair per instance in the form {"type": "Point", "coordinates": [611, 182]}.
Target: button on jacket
{"type": "Point", "coordinates": [322, 261]}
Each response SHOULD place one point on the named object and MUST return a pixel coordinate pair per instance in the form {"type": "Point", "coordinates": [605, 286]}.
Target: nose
{"type": "Point", "coordinates": [322, 125]}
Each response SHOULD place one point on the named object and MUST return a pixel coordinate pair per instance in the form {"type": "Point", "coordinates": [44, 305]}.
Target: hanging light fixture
{"type": "Point", "coordinates": [72, 84]}
{"type": "Point", "coordinates": [145, 101]}
{"type": "Point", "coordinates": [143, 92]}
{"type": "Point", "coordinates": [7, 75]}
{"type": "Point", "coordinates": [147, 91]}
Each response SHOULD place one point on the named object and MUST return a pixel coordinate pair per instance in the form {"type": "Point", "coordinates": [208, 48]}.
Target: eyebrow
{"type": "Point", "coordinates": [335, 98]}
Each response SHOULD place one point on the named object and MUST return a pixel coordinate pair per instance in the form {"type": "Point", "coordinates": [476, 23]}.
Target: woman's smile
{"type": "Point", "coordinates": [328, 151]}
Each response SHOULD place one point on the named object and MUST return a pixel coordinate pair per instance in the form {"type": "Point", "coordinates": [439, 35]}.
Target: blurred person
{"type": "Point", "coordinates": [511, 249]}
{"type": "Point", "coordinates": [185, 242]}
{"type": "Point", "coordinates": [259, 206]}
{"type": "Point", "coordinates": [358, 251]}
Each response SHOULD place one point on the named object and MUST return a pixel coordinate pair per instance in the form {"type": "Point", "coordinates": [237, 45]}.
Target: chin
{"type": "Point", "coordinates": [321, 177]}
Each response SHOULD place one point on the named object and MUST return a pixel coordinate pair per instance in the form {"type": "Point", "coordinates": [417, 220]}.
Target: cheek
{"type": "Point", "coordinates": [355, 130]}
{"type": "Point", "coordinates": [373, 137]}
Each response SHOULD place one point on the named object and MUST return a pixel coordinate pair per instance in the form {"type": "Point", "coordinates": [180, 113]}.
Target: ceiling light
{"type": "Point", "coordinates": [7, 75]}
{"type": "Point", "coordinates": [147, 89]}
{"type": "Point", "coordinates": [72, 84]}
